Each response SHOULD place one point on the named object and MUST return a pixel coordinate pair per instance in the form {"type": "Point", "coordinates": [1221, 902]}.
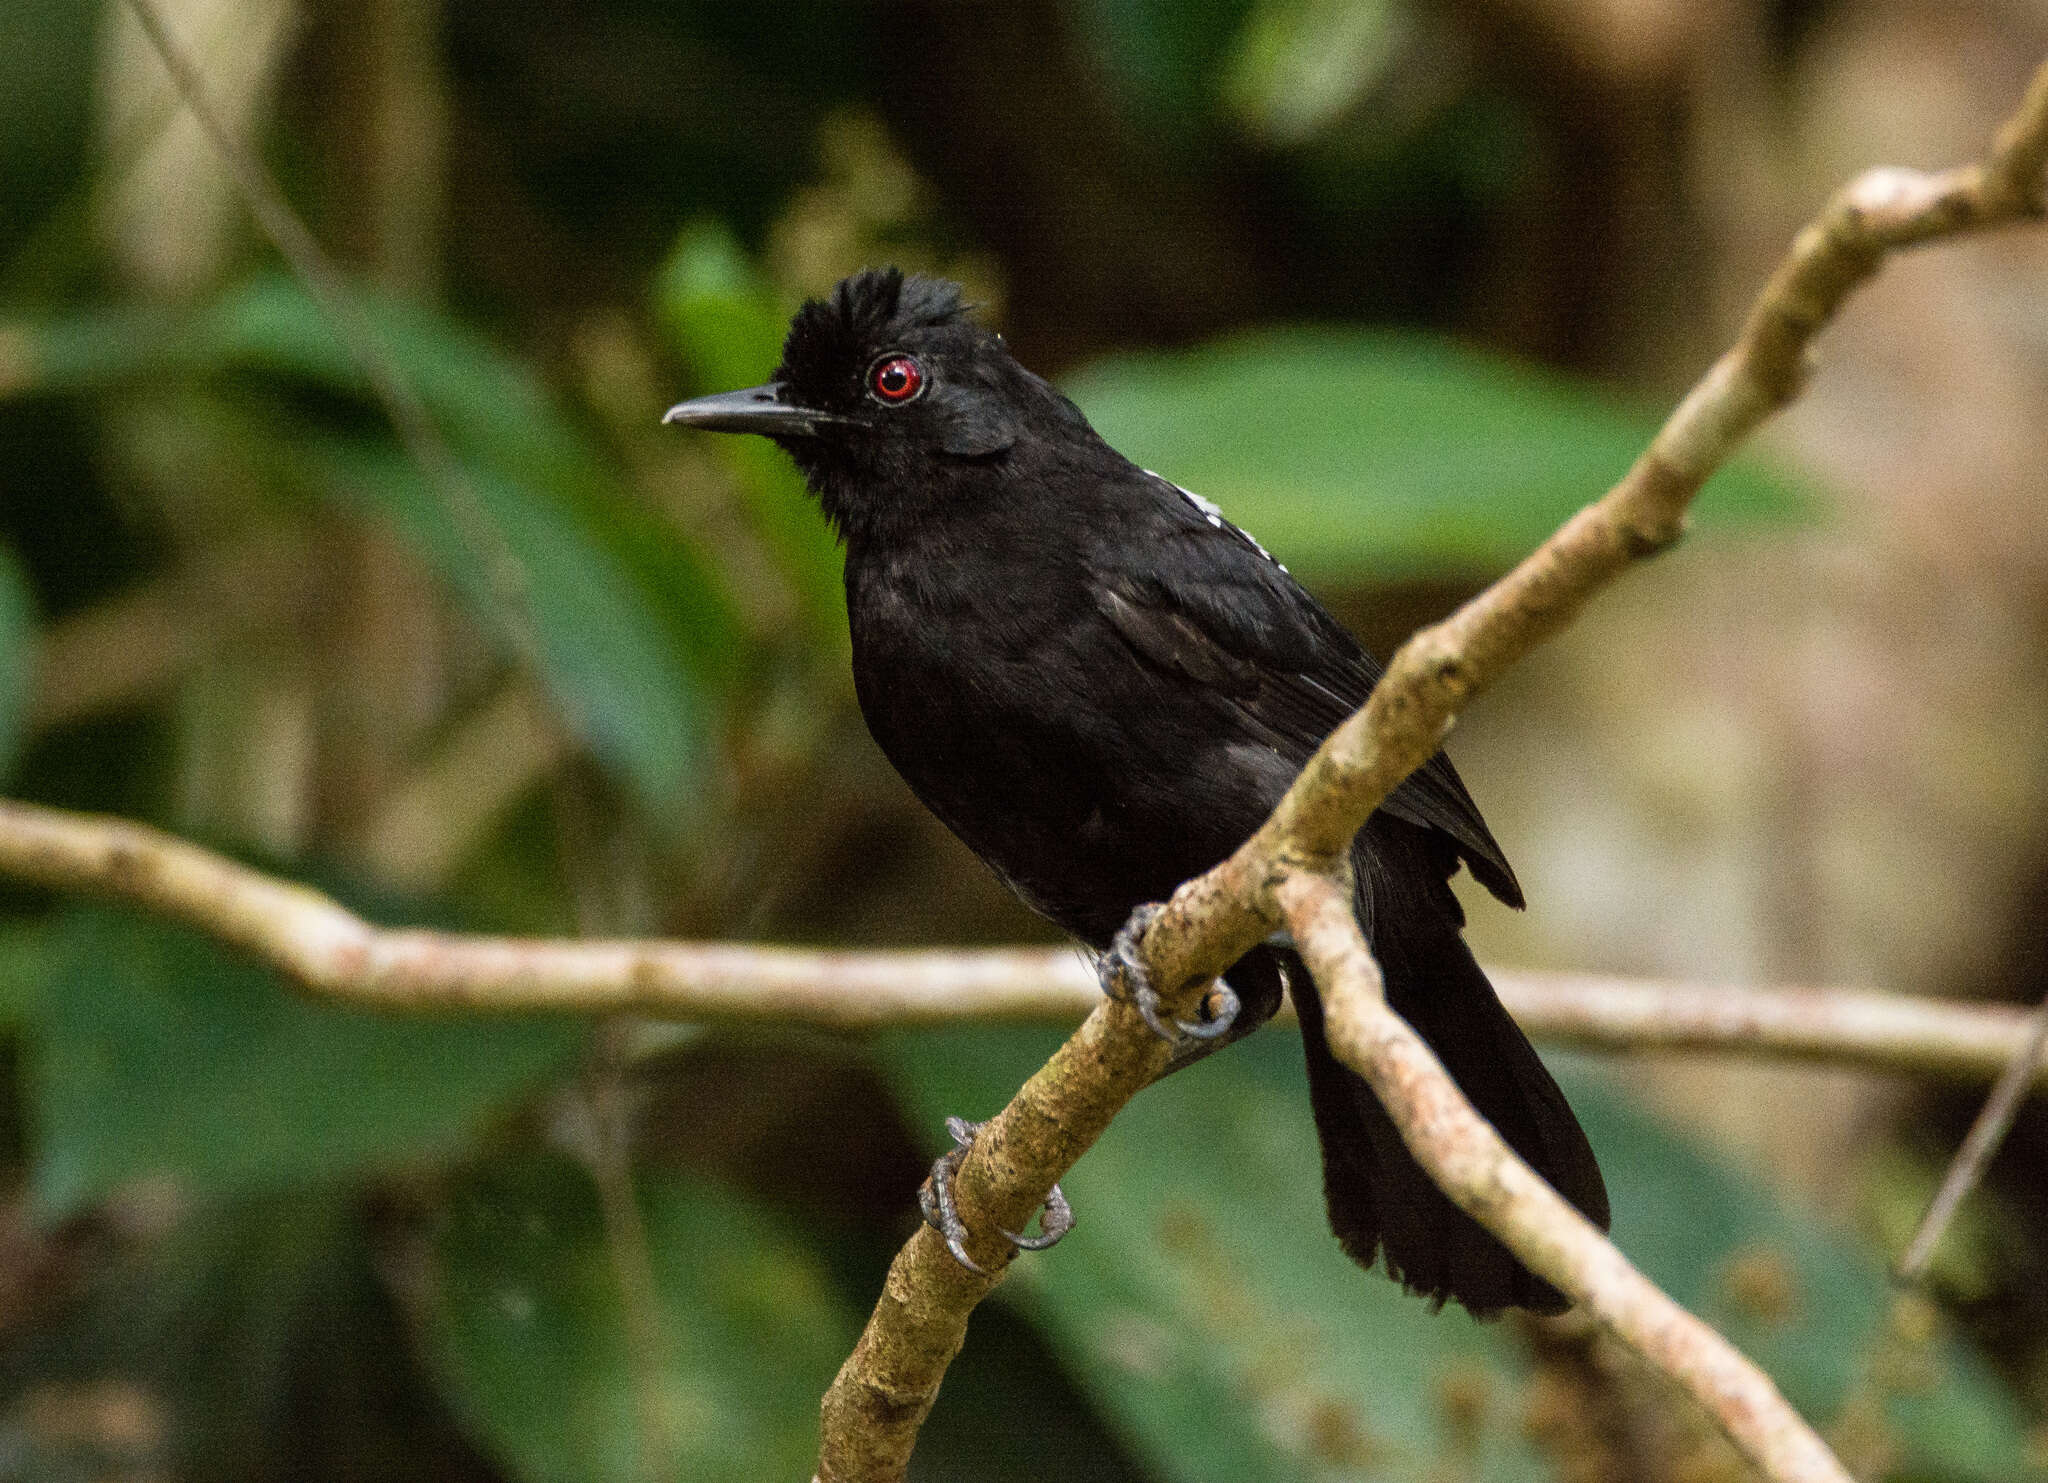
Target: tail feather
{"type": "Point", "coordinates": [1380, 1200]}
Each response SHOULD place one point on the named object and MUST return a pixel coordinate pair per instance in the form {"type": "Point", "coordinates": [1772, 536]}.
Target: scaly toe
{"type": "Point", "coordinates": [935, 1196]}
{"type": "Point", "coordinates": [1222, 1015]}
{"type": "Point", "coordinates": [1054, 1224]}
{"type": "Point", "coordinates": [1125, 979]}
{"type": "Point", "coordinates": [935, 1200]}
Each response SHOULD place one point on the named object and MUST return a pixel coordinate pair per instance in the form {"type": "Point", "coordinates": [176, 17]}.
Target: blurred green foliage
{"type": "Point", "coordinates": [727, 322]}
{"type": "Point", "coordinates": [1358, 456]}
{"type": "Point", "coordinates": [327, 1244]}
{"type": "Point", "coordinates": [45, 110]}
{"type": "Point", "coordinates": [160, 1056]}
{"type": "Point", "coordinates": [17, 655]}
{"type": "Point", "coordinates": [529, 1335]}
{"type": "Point", "coordinates": [626, 627]}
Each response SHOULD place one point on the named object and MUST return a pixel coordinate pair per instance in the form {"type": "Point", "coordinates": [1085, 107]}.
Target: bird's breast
{"type": "Point", "coordinates": [1037, 736]}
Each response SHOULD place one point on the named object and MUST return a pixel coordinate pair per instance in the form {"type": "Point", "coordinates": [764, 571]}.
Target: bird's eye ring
{"type": "Point", "coordinates": [895, 379]}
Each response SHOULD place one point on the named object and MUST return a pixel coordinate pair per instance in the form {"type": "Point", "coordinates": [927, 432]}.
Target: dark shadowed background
{"type": "Point", "coordinates": [1399, 283]}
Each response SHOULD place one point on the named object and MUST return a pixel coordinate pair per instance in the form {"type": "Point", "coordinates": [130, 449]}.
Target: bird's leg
{"type": "Point", "coordinates": [1125, 979]}
{"type": "Point", "coordinates": [935, 1199]}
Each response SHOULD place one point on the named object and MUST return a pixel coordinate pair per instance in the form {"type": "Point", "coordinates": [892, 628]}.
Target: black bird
{"type": "Point", "coordinates": [1103, 686]}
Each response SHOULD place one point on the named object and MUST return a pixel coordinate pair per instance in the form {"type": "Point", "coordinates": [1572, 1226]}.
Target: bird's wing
{"type": "Point", "coordinates": [1194, 595]}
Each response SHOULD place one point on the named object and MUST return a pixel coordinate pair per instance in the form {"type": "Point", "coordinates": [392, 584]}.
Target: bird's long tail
{"type": "Point", "coordinates": [1380, 1200]}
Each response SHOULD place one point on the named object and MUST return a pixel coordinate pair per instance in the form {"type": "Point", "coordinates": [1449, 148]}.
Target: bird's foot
{"type": "Point", "coordinates": [1125, 979]}
{"type": "Point", "coordinates": [935, 1199]}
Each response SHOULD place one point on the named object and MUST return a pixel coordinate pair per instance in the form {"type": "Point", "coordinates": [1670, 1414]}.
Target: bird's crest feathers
{"type": "Point", "coordinates": [862, 315]}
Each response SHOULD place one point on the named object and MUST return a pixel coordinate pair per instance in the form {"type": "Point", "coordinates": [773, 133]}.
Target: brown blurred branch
{"type": "Point", "coordinates": [129, 649]}
{"type": "Point", "coordinates": [1295, 871]}
{"type": "Point", "coordinates": [1864, 1028]}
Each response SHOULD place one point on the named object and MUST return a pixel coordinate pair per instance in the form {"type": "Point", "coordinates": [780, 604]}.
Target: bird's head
{"type": "Point", "coordinates": [888, 393]}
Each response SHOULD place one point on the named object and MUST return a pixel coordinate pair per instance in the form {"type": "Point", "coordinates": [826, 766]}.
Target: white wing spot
{"type": "Point", "coordinates": [1213, 513]}
{"type": "Point", "coordinates": [1208, 507]}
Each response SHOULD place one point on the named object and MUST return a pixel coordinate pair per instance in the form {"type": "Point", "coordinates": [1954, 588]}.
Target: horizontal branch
{"type": "Point", "coordinates": [1861, 1028]}
{"type": "Point", "coordinates": [334, 953]}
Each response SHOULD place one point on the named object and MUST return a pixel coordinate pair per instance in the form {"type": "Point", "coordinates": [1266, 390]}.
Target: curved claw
{"type": "Point", "coordinates": [1053, 1225]}
{"type": "Point", "coordinates": [1222, 1014]}
{"type": "Point", "coordinates": [1125, 979]}
{"type": "Point", "coordinates": [1146, 1002]}
{"type": "Point", "coordinates": [935, 1199]}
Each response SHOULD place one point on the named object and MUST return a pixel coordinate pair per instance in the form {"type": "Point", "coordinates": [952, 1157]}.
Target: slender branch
{"type": "Point", "coordinates": [314, 940]}
{"type": "Point", "coordinates": [1863, 1028]}
{"type": "Point", "coordinates": [1484, 1176]}
{"type": "Point", "coordinates": [1966, 1170]}
{"type": "Point", "coordinates": [330, 951]}
{"type": "Point", "coordinates": [882, 1393]}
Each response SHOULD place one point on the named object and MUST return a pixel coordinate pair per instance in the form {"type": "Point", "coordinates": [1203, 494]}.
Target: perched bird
{"type": "Point", "coordinates": [1103, 687]}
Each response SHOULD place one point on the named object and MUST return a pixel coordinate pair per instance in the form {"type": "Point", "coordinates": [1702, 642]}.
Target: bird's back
{"type": "Point", "coordinates": [1103, 686]}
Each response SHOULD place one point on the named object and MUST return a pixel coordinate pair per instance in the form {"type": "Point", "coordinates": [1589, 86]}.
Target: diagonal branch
{"type": "Point", "coordinates": [1966, 1170]}
{"type": "Point", "coordinates": [886, 1387]}
{"type": "Point", "coordinates": [1483, 1175]}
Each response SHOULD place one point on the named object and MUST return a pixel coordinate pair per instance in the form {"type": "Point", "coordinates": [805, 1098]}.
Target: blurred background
{"type": "Point", "coordinates": [1397, 282]}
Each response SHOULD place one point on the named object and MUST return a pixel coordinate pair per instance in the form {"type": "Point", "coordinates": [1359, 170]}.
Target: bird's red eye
{"type": "Point", "coordinates": [895, 379]}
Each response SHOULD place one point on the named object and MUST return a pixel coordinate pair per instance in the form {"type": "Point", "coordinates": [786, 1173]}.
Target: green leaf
{"type": "Point", "coordinates": [530, 1343]}
{"type": "Point", "coordinates": [1204, 1303]}
{"type": "Point", "coordinates": [486, 403]}
{"type": "Point", "coordinates": [1164, 57]}
{"type": "Point", "coordinates": [158, 1054]}
{"type": "Point", "coordinates": [1361, 455]}
{"type": "Point", "coordinates": [719, 309]}
{"type": "Point", "coordinates": [1301, 65]}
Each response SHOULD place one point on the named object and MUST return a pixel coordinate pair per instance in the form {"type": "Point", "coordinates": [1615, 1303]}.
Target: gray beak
{"type": "Point", "coordinates": [758, 409]}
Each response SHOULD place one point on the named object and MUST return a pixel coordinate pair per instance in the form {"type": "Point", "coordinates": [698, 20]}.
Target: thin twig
{"type": "Point", "coordinates": [605, 1143]}
{"type": "Point", "coordinates": [1966, 1170]}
